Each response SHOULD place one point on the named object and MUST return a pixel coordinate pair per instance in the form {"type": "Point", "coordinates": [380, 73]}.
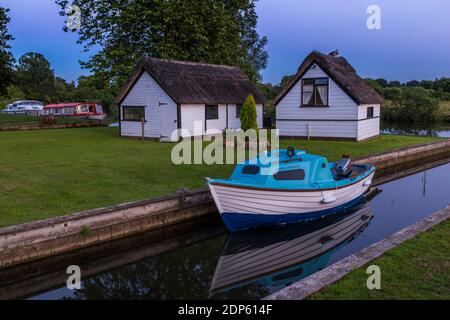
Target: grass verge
{"type": "Point", "coordinates": [55, 172]}
{"type": "Point", "coordinates": [419, 268]}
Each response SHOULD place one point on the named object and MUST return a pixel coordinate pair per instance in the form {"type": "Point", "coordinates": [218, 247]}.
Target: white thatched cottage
{"type": "Point", "coordinates": [171, 94]}
{"type": "Point", "coordinates": [327, 99]}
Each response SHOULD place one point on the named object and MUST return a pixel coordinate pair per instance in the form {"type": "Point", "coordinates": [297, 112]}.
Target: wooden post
{"type": "Point", "coordinates": [143, 123]}
{"type": "Point", "coordinates": [308, 130]}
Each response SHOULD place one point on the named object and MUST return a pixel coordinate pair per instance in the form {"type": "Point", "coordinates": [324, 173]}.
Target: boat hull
{"type": "Point", "coordinates": [244, 208]}
{"type": "Point", "coordinates": [97, 117]}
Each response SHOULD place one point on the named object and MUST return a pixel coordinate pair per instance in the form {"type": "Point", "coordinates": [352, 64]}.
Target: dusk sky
{"type": "Point", "coordinates": [413, 42]}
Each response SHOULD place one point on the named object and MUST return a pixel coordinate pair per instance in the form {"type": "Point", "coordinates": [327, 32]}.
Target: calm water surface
{"type": "Point", "coordinates": [253, 264]}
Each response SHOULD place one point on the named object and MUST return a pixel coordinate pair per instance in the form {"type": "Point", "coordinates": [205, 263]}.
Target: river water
{"type": "Point", "coordinates": [253, 264]}
{"type": "Point", "coordinates": [436, 130]}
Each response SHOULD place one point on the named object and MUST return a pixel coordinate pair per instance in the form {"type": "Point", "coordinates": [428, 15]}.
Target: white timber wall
{"type": "Point", "coordinates": [368, 128]}
{"type": "Point", "coordinates": [323, 129]}
{"type": "Point", "coordinates": [233, 122]}
{"type": "Point", "coordinates": [218, 124]}
{"type": "Point", "coordinates": [259, 111]}
{"type": "Point", "coordinates": [362, 110]}
{"type": "Point", "coordinates": [292, 119]}
{"type": "Point", "coordinates": [146, 93]}
{"type": "Point", "coordinates": [191, 113]}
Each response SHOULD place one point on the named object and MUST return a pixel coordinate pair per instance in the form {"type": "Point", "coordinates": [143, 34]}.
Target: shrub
{"type": "Point", "coordinates": [248, 114]}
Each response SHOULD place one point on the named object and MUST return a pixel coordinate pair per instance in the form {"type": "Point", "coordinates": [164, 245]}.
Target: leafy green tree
{"type": "Point", "coordinates": [36, 78]}
{"type": "Point", "coordinates": [210, 31]}
{"type": "Point", "coordinates": [411, 104]}
{"type": "Point", "coordinates": [6, 58]}
{"type": "Point", "coordinates": [13, 93]}
{"type": "Point", "coordinates": [413, 83]}
{"type": "Point", "coordinates": [394, 84]}
{"type": "Point", "coordinates": [392, 93]}
{"type": "Point", "coordinates": [376, 85]}
{"type": "Point", "coordinates": [269, 90]}
{"type": "Point", "coordinates": [442, 84]}
{"type": "Point", "coordinates": [382, 82]}
{"type": "Point", "coordinates": [286, 80]}
{"type": "Point", "coordinates": [93, 88]}
{"type": "Point", "coordinates": [248, 114]}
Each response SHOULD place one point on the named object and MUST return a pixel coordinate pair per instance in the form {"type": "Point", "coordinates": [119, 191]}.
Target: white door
{"type": "Point", "coordinates": [168, 118]}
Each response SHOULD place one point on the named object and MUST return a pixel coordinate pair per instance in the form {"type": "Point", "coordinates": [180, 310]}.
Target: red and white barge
{"type": "Point", "coordinates": [90, 110]}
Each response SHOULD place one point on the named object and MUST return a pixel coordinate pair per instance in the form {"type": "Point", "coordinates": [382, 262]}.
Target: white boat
{"type": "Point", "coordinates": [30, 107]}
{"type": "Point", "coordinates": [304, 187]}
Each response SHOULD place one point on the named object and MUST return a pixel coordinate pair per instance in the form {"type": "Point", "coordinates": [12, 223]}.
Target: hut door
{"type": "Point", "coordinates": [168, 118]}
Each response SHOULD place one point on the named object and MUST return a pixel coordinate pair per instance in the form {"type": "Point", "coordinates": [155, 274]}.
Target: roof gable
{"type": "Point", "coordinates": [195, 83]}
{"type": "Point", "coordinates": [342, 73]}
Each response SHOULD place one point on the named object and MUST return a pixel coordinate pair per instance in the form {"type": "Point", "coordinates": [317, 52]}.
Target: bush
{"type": "Point", "coordinates": [248, 114]}
{"type": "Point", "coordinates": [410, 104]}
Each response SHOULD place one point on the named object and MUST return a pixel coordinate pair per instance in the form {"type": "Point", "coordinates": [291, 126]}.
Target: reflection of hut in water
{"type": "Point", "coordinates": [283, 255]}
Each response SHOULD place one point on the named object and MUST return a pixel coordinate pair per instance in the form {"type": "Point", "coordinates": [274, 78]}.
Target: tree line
{"type": "Point", "coordinates": [412, 101]}
{"type": "Point", "coordinates": [210, 31]}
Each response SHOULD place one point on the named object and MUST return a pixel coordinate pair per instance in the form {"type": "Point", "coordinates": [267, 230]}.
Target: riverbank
{"type": "Point", "coordinates": [188, 264]}
{"type": "Point", "coordinates": [53, 173]}
{"type": "Point", "coordinates": [413, 262]}
{"type": "Point", "coordinates": [53, 236]}
{"type": "Point", "coordinates": [19, 122]}
{"type": "Point", "coordinates": [417, 269]}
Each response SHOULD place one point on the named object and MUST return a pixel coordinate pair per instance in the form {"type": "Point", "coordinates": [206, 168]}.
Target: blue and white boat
{"type": "Point", "coordinates": [286, 186]}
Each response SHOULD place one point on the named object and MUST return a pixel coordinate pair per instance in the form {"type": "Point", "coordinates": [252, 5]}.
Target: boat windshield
{"type": "Point", "coordinates": [83, 108]}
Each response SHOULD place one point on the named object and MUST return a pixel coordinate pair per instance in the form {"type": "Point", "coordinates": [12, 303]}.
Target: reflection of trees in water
{"type": "Point", "coordinates": [184, 273]}
{"type": "Point", "coordinates": [411, 131]}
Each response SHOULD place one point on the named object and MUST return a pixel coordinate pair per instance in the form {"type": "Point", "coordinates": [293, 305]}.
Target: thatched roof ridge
{"type": "Point", "coordinates": [195, 82]}
{"type": "Point", "coordinates": [342, 72]}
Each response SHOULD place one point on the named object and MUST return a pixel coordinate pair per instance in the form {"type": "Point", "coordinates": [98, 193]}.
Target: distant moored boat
{"type": "Point", "coordinates": [90, 110]}
{"type": "Point", "coordinates": [30, 107]}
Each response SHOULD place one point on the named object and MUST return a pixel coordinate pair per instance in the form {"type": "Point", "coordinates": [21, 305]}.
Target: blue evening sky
{"type": "Point", "coordinates": [413, 43]}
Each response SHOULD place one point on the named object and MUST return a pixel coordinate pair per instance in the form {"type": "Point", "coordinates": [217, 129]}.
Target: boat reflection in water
{"type": "Point", "coordinates": [282, 255]}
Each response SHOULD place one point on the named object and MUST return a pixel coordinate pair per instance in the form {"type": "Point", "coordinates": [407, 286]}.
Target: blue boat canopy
{"type": "Point", "coordinates": [290, 169]}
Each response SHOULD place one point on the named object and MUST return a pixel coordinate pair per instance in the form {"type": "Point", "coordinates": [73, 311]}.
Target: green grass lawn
{"type": "Point", "coordinates": [55, 172]}
{"type": "Point", "coordinates": [417, 269]}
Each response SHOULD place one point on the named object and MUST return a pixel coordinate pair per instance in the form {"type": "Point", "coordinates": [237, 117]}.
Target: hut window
{"type": "Point", "coordinates": [250, 170]}
{"type": "Point", "coordinates": [315, 92]}
{"type": "Point", "coordinates": [238, 111]}
{"type": "Point", "coordinates": [370, 112]}
{"type": "Point", "coordinates": [133, 113]}
{"type": "Point", "coordinates": [297, 174]}
{"type": "Point", "coordinates": [212, 112]}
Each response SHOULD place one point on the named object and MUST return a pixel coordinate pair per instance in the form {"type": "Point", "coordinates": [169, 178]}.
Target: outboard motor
{"type": "Point", "coordinates": [290, 152]}
{"type": "Point", "coordinates": [344, 167]}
